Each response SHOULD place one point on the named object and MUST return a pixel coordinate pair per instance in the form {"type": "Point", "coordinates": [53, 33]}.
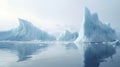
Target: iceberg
{"type": "Point", "coordinates": [68, 36]}
{"type": "Point", "coordinates": [95, 30]}
{"type": "Point", "coordinates": [26, 32]}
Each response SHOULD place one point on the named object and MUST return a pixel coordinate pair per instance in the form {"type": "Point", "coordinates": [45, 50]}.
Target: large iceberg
{"type": "Point", "coordinates": [26, 32]}
{"type": "Point", "coordinates": [68, 36]}
{"type": "Point", "coordinates": [95, 30]}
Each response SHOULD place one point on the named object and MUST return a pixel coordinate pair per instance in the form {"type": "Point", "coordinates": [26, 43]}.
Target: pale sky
{"type": "Point", "coordinates": [57, 15]}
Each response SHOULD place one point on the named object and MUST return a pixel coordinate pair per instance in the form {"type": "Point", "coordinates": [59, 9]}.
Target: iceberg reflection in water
{"type": "Point", "coordinates": [23, 50]}
{"type": "Point", "coordinates": [96, 53]}
{"type": "Point", "coordinates": [57, 54]}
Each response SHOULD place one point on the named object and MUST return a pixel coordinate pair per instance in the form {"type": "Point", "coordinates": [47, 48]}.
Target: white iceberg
{"type": "Point", "coordinates": [25, 32]}
{"type": "Point", "coordinates": [68, 36]}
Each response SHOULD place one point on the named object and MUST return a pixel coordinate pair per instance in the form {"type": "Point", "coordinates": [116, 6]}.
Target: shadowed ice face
{"type": "Point", "coordinates": [96, 53]}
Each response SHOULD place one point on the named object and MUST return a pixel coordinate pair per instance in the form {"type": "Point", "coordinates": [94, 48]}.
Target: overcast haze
{"type": "Point", "coordinates": [56, 15]}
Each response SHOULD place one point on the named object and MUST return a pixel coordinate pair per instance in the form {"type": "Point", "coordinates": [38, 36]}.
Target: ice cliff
{"type": "Point", "coordinates": [95, 30]}
{"type": "Point", "coordinates": [25, 32]}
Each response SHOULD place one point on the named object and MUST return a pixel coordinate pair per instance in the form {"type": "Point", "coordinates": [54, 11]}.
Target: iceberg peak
{"type": "Point", "coordinates": [95, 30]}
{"type": "Point", "coordinates": [87, 13]}
{"type": "Point", "coordinates": [26, 32]}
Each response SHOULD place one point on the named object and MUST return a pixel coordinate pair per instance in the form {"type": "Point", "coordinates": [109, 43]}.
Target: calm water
{"type": "Point", "coordinates": [59, 54]}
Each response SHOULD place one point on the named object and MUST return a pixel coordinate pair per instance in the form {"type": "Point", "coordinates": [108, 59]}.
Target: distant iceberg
{"type": "Point", "coordinates": [68, 36]}
{"type": "Point", "coordinates": [95, 30]}
{"type": "Point", "coordinates": [25, 32]}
